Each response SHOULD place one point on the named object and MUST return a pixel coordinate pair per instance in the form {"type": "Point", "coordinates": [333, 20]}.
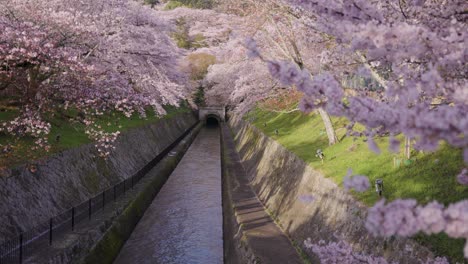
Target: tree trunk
{"type": "Point", "coordinates": [33, 84]}
{"type": "Point", "coordinates": [332, 139]}
{"type": "Point", "coordinates": [408, 147]}
{"type": "Point", "coordinates": [297, 59]}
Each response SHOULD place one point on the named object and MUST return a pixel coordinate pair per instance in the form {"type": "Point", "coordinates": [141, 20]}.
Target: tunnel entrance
{"type": "Point", "coordinates": [218, 112]}
{"type": "Point", "coordinates": [211, 121]}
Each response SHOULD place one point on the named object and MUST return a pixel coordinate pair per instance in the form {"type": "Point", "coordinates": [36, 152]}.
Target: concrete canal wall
{"type": "Point", "coordinates": [279, 178]}
{"type": "Point", "coordinates": [73, 176]}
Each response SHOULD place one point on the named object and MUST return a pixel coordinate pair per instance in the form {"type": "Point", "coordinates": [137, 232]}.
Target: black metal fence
{"type": "Point", "coordinates": [15, 250]}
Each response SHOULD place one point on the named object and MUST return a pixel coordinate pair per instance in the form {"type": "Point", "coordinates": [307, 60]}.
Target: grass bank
{"type": "Point", "coordinates": [426, 177]}
{"type": "Point", "coordinates": [198, 4]}
{"type": "Point", "coordinates": [68, 133]}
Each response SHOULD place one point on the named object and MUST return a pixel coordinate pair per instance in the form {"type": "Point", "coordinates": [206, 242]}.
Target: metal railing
{"type": "Point", "coordinates": [16, 249]}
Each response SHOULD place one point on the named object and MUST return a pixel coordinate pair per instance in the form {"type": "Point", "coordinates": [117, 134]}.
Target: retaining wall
{"type": "Point", "coordinates": [68, 178]}
{"type": "Point", "coordinates": [279, 177]}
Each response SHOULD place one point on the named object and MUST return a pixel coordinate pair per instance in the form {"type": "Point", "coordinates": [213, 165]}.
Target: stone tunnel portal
{"type": "Point", "coordinates": [212, 115]}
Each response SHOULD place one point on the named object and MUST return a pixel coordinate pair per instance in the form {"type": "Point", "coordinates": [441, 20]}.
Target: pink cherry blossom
{"type": "Point", "coordinates": [456, 216]}
{"type": "Point", "coordinates": [406, 218]}
{"type": "Point", "coordinates": [340, 252]}
{"type": "Point", "coordinates": [93, 56]}
{"type": "Point", "coordinates": [431, 218]}
{"type": "Point", "coordinates": [306, 198]}
{"type": "Point", "coordinates": [462, 178]}
{"type": "Point", "coordinates": [411, 54]}
{"type": "Point", "coordinates": [395, 218]}
{"type": "Point", "coordinates": [359, 183]}
{"type": "Point", "coordinates": [394, 144]}
{"type": "Point", "coordinates": [372, 145]}
{"type": "Point", "coordinates": [343, 252]}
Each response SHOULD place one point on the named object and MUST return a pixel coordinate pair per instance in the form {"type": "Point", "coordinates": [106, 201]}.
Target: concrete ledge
{"type": "Point", "coordinates": [279, 178]}
{"type": "Point", "coordinates": [236, 249]}
{"type": "Point", "coordinates": [250, 234]}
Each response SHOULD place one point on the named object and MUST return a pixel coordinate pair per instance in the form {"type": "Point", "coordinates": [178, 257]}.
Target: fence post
{"type": "Point", "coordinates": [89, 209]}
{"type": "Point", "coordinates": [21, 248]}
{"type": "Point", "coordinates": [50, 231]}
{"type": "Point", "coordinates": [73, 218]}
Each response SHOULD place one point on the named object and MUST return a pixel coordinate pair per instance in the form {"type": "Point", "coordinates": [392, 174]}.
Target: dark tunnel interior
{"type": "Point", "coordinates": [212, 122]}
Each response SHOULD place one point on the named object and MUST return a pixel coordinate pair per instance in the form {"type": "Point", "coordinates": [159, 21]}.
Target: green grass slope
{"type": "Point", "coordinates": [426, 177]}
{"type": "Point", "coordinates": [71, 133]}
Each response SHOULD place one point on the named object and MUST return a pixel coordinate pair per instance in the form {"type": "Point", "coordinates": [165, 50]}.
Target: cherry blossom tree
{"type": "Point", "coordinates": [221, 36]}
{"type": "Point", "coordinates": [423, 63]}
{"type": "Point", "coordinates": [280, 33]}
{"type": "Point", "coordinates": [247, 82]}
{"type": "Point", "coordinates": [93, 56]}
{"type": "Point", "coordinates": [417, 52]}
{"type": "Point", "coordinates": [97, 56]}
{"type": "Point", "coordinates": [233, 80]}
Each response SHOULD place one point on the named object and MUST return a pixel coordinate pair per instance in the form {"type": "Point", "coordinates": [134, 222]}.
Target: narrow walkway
{"type": "Point", "coordinates": [264, 238]}
{"type": "Point", "coordinates": [184, 222]}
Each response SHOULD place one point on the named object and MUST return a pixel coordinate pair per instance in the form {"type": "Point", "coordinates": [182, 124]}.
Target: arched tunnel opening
{"type": "Point", "coordinates": [211, 122]}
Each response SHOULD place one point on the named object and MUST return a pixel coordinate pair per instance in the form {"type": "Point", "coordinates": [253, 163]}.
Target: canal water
{"type": "Point", "coordinates": [184, 222]}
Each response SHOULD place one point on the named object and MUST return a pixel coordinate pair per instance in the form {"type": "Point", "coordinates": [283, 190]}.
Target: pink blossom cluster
{"type": "Point", "coordinates": [104, 141]}
{"type": "Point", "coordinates": [462, 178]}
{"type": "Point", "coordinates": [252, 49]}
{"type": "Point", "coordinates": [406, 218]}
{"type": "Point", "coordinates": [93, 56]}
{"type": "Point", "coordinates": [306, 198]}
{"type": "Point", "coordinates": [26, 125]}
{"type": "Point", "coordinates": [420, 121]}
{"type": "Point", "coordinates": [233, 80]}
{"type": "Point", "coordinates": [29, 124]}
{"type": "Point", "coordinates": [396, 218]}
{"type": "Point", "coordinates": [342, 252]}
{"type": "Point", "coordinates": [359, 183]}
{"type": "Point", "coordinates": [416, 52]}
{"type": "Point", "coordinates": [241, 84]}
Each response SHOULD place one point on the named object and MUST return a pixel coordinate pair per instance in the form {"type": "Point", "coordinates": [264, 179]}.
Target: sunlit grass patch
{"type": "Point", "coordinates": [426, 177]}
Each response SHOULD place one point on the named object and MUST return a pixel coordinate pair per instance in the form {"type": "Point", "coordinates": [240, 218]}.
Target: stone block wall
{"type": "Point", "coordinates": [73, 176]}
